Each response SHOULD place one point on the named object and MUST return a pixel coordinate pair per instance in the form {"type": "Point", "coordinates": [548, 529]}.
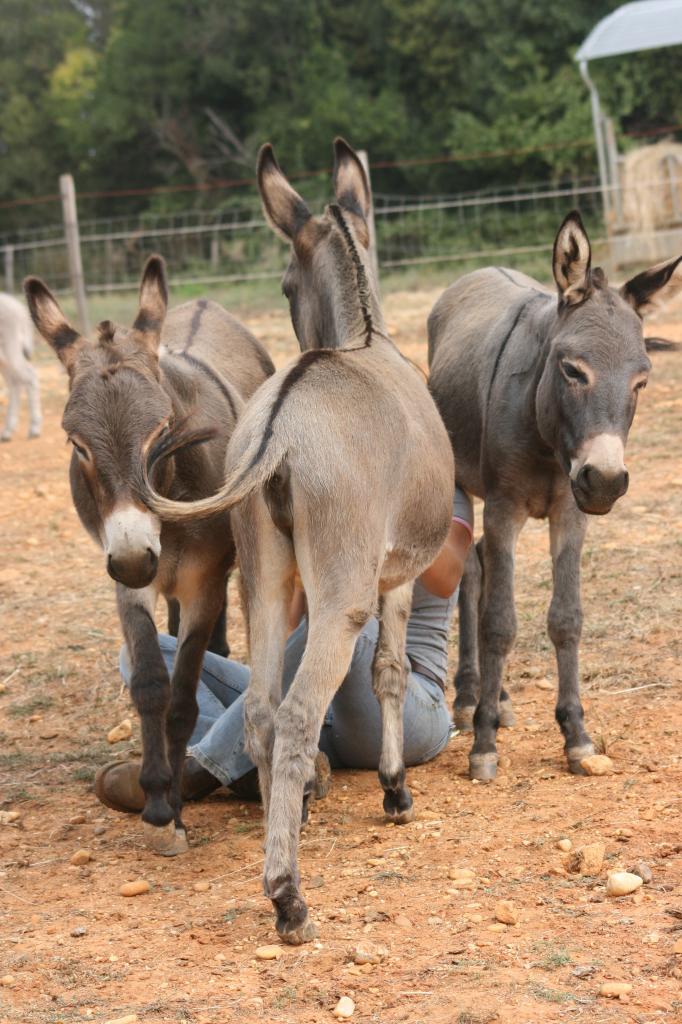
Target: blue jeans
{"type": "Point", "coordinates": [351, 733]}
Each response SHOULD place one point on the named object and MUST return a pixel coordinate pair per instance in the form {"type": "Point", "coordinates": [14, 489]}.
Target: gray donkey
{"type": "Point", "coordinates": [538, 397]}
{"type": "Point", "coordinates": [16, 349]}
{"type": "Point", "coordinates": [131, 400]}
{"type": "Point", "coordinates": [341, 468]}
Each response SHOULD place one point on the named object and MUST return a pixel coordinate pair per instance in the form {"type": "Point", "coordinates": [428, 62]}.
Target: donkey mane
{"type": "Point", "coordinates": [363, 289]}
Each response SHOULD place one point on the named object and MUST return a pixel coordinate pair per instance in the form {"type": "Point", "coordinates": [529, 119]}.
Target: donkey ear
{"type": "Point", "coordinates": [351, 186]}
{"type": "Point", "coordinates": [153, 304]}
{"type": "Point", "coordinates": [284, 209]}
{"type": "Point", "coordinates": [654, 287]}
{"type": "Point", "coordinates": [51, 322]}
{"type": "Point", "coordinates": [572, 260]}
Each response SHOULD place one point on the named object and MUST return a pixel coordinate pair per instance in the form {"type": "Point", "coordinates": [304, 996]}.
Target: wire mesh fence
{"type": "Point", "coordinates": [233, 243]}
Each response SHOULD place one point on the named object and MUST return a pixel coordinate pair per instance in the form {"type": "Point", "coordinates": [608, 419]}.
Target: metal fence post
{"type": "Point", "coordinates": [73, 246]}
{"type": "Point", "coordinates": [9, 269]}
{"type": "Point", "coordinates": [373, 254]}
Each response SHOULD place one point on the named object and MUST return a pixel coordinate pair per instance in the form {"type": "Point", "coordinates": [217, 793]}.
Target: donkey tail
{"type": "Point", "coordinates": [260, 455]}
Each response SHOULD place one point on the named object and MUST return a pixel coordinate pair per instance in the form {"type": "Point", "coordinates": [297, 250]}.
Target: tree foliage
{"type": "Point", "coordinates": [133, 95]}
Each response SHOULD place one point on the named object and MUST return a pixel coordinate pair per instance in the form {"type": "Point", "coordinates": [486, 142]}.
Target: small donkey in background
{"type": "Point", "coordinates": [341, 467]}
{"type": "Point", "coordinates": [16, 349]}
{"type": "Point", "coordinates": [131, 401]}
{"type": "Point", "coordinates": [538, 397]}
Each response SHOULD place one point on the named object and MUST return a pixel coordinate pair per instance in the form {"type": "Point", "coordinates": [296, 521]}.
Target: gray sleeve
{"type": "Point", "coordinates": [463, 509]}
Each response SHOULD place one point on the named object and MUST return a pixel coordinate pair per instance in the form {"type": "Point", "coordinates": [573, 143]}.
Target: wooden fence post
{"type": "Point", "coordinates": [374, 255]}
{"type": "Point", "coordinates": [9, 269]}
{"type": "Point", "coordinates": [73, 247]}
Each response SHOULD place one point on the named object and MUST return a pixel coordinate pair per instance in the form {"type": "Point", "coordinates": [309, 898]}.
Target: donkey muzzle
{"type": "Point", "coordinates": [596, 493]}
{"type": "Point", "coordinates": [598, 474]}
{"type": "Point", "coordinates": [132, 546]}
{"type": "Point", "coordinates": [133, 572]}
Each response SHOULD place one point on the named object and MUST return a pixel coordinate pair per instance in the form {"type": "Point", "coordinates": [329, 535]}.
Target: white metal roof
{"type": "Point", "coordinates": [644, 25]}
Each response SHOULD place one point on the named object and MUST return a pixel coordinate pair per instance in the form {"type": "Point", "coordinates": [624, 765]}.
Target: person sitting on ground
{"type": "Point", "coordinates": [351, 734]}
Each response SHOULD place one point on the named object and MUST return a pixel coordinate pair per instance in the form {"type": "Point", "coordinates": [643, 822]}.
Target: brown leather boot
{"type": "Point", "coordinates": [117, 785]}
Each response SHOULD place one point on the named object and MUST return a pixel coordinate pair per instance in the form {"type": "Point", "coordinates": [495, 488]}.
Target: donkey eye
{"type": "Point", "coordinates": [81, 452]}
{"type": "Point", "coordinates": [572, 373]}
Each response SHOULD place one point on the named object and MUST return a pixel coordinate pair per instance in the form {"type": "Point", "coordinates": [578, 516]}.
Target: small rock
{"type": "Point", "coordinates": [268, 952]}
{"type": "Point", "coordinates": [622, 883]}
{"type": "Point", "coordinates": [136, 888]}
{"type": "Point", "coordinates": [677, 948]}
{"type": "Point", "coordinates": [498, 927]}
{"type": "Point", "coordinates": [506, 913]}
{"type": "Point", "coordinates": [402, 921]}
{"type": "Point", "coordinates": [644, 872]}
{"type": "Point", "coordinates": [345, 1008]}
{"type": "Point", "coordinates": [583, 970]}
{"type": "Point", "coordinates": [615, 989]}
{"type": "Point", "coordinates": [587, 860]}
{"type": "Point", "coordinates": [458, 874]}
{"type": "Point", "coordinates": [369, 953]}
{"type": "Point", "coordinates": [201, 886]}
{"type": "Point", "coordinates": [80, 857]}
{"type": "Point", "coordinates": [8, 981]}
{"type": "Point", "coordinates": [77, 819]}
{"type": "Point", "coordinates": [99, 830]}
{"type": "Point", "coordinates": [78, 932]}
{"type": "Point", "coordinates": [122, 731]}
{"type": "Point", "coordinates": [623, 835]}
{"type": "Point", "coordinates": [564, 845]}
{"type": "Point", "coordinates": [7, 817]}
{"type": "Point", "coordinates": [544, 683]}
{"type": "Point", "coordinates": [597, 764]}
{"type": "Point", "coordinates": [130, 1019]}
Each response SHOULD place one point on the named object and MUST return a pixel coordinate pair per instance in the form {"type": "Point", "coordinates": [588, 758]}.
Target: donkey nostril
{"type": "Point", "coordinates": [625, 481]}
{"type": "Point", "coordinates": [584, 477]}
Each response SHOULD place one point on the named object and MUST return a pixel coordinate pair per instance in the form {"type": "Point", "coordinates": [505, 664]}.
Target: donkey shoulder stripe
{"type": "Point", "coordinates": [199, 364]}
{"type": "Point", "coordinates": [519, 312]}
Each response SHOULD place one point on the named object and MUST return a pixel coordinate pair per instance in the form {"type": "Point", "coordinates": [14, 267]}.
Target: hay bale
{"type": "Point", "coordinates": [651, 179]}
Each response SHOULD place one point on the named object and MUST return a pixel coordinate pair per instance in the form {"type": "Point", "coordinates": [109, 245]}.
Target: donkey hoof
{"type": "Point", "coordinates": [506, 716]}
{"type": "Point", "coordinates": [323, 776]}
{"type": "Point", "coordinates": [574, 755]}
{"type": "Point", "coordinates": [464, 718]}
{"type": "Point", "coordinates": [399, 806]}
{"type": "Point", "coordinates": [306, 932]}
{"type": "Point", "coordinates": [483, 767]}
{"type": "Point", "coordinates": [167, 840]}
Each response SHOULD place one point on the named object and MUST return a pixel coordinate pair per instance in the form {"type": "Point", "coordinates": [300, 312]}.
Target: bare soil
{"type": "Point", "coordinates": [72, 949]}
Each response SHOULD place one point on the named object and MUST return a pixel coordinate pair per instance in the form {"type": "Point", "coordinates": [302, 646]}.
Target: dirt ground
{"type": "Point", "coordinates": [73, 949]}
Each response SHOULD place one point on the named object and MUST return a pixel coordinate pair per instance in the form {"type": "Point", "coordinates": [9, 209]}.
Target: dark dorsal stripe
{"type": "Point", "coordinates": [199, 364]}
{"type": "Point", "coordinates": [294, 376]}
{"type": "Point", "coordinates": [360, 273]}
{"type": "Point", "coordinates": [195, 322]}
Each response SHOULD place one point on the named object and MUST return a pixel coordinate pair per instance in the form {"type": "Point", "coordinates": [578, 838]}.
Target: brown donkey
{"type": "Point", "coordinates": [340, 467]}
{"type": "Point", "coordinates": [538, 390]}
{"type": "Point", "coordinates": [131, 400]}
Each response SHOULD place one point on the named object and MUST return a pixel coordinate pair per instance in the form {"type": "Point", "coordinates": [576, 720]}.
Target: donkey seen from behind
{"type": "Point", "coordinates": [538, 398]}
{"type": "Point", "coordinates": [131, 400]}
{"type": "Point", "coordinates": [340, 468]}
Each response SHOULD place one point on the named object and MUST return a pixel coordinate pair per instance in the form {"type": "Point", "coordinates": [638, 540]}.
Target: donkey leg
{"type": "Point", "coordinates": [173, 616]}
{"type": "Point", "coordinates": [389, 680]}
{"type": "Point", "coordinates": [218, 643]}
{"type": "Point", "coordinates": [150, 691]}
{"type": "Point", "coordinates": [467, 678]}
{"type": "Point", "coordinates": [331, 637]}
{"type": "Point", "coordinates": [12, 417]}
{"type": "Point", "coordinates": [197, 620]}
{"type": "Point", "coordinates": [33, 394]}
{"type": "Point", "coordinates": [502, 523]}
{"type": "Point", "coordinates": [567, 526]}
{"type": "Point", "coordinates": [267, 566]}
